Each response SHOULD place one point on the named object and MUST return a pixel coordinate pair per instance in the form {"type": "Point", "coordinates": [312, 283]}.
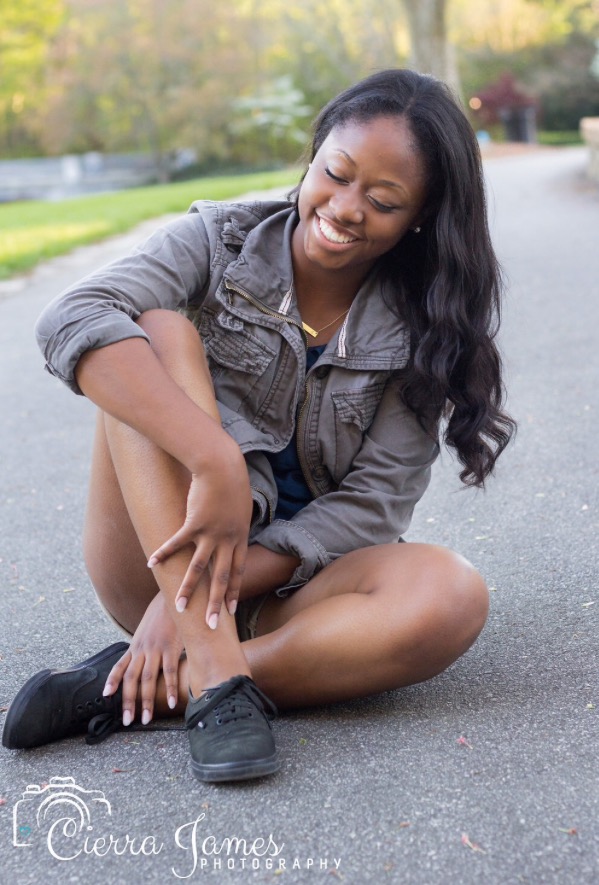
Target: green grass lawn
{"type": "Point", "coordinates": [559, 139]}
{"type": "Point", "coordinates": [33, 231]}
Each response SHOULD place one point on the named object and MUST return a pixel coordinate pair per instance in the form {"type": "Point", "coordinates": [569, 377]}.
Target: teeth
{"type": "Point", "coordinates": [331, 235]}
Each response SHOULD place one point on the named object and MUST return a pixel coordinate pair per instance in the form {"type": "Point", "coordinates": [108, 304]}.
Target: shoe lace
{"type": "Point", "coordinates": [237, 698]}
{"type": "Point", "coordinates": [106, 723]}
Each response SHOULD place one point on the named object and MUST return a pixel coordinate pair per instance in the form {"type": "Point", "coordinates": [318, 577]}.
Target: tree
{"type": "Point", "coordinates": [27, 29]}
{"type": "Point", "coordinates": [430, 50]}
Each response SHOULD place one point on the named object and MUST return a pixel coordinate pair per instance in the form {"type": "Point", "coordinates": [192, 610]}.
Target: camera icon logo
{"type": "Point", "coordinates": [60, 799]}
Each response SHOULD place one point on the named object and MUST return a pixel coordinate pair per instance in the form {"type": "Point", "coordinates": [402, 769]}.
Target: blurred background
{"type": "Point", "coordinates": [100, 95]}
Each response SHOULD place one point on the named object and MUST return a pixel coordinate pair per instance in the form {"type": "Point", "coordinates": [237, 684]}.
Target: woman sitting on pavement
{"type": "Point", "coordinates": [266, 468]}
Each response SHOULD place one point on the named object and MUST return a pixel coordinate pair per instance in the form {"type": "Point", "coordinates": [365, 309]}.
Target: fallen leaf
{"type": "Point", "coordinates": [120, 770]}
{"type": "Point", "coordinates": [571, 832]}
{"type": "Point", "coordinates": [404, 823]}
{"type": "Point", "coordinates": [40, 599]}
{"type": "Point", "coordinates": [464, 743]}
{"type": "Point", "coordinates": [3, 801]}
{"type": "Point", "coordinates": [471, 845]}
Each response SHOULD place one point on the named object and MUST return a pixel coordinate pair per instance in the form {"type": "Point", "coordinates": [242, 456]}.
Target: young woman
{"type": "Point", "coordinates": [266, 468]}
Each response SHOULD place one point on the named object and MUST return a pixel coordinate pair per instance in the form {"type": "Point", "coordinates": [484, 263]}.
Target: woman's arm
{"type": "Point", "coordinates": [128, 381]}
{"type": "Point", "coordinates": [169, 271]}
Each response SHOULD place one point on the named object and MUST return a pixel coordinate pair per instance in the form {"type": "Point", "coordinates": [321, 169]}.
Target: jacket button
{"type": "Point", "coordinates": [321, 371]}
{"type": "Point", "coordinates": [318, 472]}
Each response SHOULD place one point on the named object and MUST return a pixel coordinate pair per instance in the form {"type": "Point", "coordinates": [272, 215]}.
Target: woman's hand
{"type": "Point", "coordinates": [155, 646]}
{"type": "Point", "coordinates": [217, 523]}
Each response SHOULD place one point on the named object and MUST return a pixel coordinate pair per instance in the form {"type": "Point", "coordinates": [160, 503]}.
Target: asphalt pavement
{"type": "Point", "coordinates": [487, 773]}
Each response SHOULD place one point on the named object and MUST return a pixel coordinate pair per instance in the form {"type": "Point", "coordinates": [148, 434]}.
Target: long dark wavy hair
{"type": "Point", "coordinates": [444, 281]}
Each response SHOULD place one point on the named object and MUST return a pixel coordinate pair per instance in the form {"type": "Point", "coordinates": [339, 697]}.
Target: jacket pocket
{"type": "Point", "coordinates": [229, 345]}
{"type": "Point", "coordinates": [354, 413]}
{"type": "Point", "coordinates": [358, 406]}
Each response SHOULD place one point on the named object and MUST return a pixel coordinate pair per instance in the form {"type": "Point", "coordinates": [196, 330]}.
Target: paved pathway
{"type": "Point", "coordinates": [488, 773]}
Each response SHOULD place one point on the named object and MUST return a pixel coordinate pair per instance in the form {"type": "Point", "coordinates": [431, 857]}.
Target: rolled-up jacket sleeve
{"type": "Point", "coordinates": [374, 502]}
{"type": "Point", "coordinates": [169, 270]}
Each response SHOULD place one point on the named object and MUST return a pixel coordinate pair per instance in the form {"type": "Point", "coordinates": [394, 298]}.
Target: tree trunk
{"type": "Point", "coordinates": [430, 52]}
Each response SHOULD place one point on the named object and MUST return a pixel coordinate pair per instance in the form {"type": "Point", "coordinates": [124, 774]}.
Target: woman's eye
{"type": "Point", "coordinates": [382, 207]}
{"type": "Point", "coordinates": [335, 177]}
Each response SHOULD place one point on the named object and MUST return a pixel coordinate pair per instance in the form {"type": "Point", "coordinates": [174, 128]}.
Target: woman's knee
{"type": "Point", "coordinates": [435, 611]}
{"type": "Point", "coordinates": [457, 591]}
{"type": "Point", "coordinates": [438, 591]}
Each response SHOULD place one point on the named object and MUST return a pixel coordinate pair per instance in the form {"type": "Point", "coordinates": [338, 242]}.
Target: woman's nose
{"type": "Point", "coordinates": [346, 206]}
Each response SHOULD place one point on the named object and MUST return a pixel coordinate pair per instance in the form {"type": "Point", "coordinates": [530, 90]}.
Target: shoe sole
{"type": "Point", "coordinates": [235, 771]}
{"type": "Point", "coordinates": [24, 695]}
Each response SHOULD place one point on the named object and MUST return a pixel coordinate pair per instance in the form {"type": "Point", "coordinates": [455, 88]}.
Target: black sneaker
{"type": "Point", "coordinates": [56, 704]}
{"type": "Point", "coordinates": [230, 733]}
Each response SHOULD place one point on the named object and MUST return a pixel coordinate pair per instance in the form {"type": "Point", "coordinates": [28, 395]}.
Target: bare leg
{"type": "Point", "coordinates": [113, 555]}
{"type": "Point", "coordinates": [154, 488]}
{"type": "Point", "coordinates": [376, 619]}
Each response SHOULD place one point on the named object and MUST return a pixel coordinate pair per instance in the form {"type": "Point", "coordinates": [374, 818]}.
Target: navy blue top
{"type": "Point", "coordinates": [289, 477]}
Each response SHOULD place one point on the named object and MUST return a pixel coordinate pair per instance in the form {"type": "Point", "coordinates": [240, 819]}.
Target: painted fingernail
{"type": "Point", "coordinates": [172, 702]}
{"type": "Point", "coordinates": [146, 717]}
{"type": "Point", "coordinates": [213, 621]}
{"type": "Point", "coordinates": [232, 607]}
{"type": "Point", "coordinates": [127, 717]}
{"type": "Point", "coordinates": [152, 561]}
{"type": "Point", "coordinates": [107, 689]}
{"type": "Point", "coordinates": [181, 604]}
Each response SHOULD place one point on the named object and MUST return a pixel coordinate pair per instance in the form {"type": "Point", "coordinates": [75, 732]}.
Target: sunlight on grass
{"type": "Point", "coordinates": [28, 245]}
{"type": "Point", "coordinates": [33, 231]}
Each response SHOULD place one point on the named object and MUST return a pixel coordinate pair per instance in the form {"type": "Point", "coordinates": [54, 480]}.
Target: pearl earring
{"type": "Point", "coordinates": [416, 230]}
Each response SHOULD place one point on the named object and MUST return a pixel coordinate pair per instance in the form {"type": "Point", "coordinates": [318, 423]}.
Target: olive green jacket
{"type": "Point", "coordinates": [364, 455]}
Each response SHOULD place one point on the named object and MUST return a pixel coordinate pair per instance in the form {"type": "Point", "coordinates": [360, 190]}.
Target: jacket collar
{"type": "Point", "coordinates": [372, 336]}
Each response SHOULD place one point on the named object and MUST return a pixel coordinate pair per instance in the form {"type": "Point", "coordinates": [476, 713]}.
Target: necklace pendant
{"type": "Point", "coordinates": [309, 330]}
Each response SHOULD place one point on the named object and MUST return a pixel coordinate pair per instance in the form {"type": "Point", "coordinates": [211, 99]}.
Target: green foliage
{"type": "Point", "coordinates": [271, 120]}
{"type": "Point", "coordinates": [558, 75]}
{"type": "Point", "coordinates": [33, 231]}
{"type": "Point", "coordinates": [27, 29]}
{"type": "Point", "coordinates": [239, 82]}
{"type": "Point", "coordinates": [559, 139]}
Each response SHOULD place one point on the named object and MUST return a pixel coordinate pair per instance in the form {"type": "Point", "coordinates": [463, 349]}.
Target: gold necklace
{"type": "Point", "coordinates": [316, 332]}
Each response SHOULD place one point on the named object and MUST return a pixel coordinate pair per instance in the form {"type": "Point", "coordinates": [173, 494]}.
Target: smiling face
{"type": "Point", "coordinates": [365, 188]}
